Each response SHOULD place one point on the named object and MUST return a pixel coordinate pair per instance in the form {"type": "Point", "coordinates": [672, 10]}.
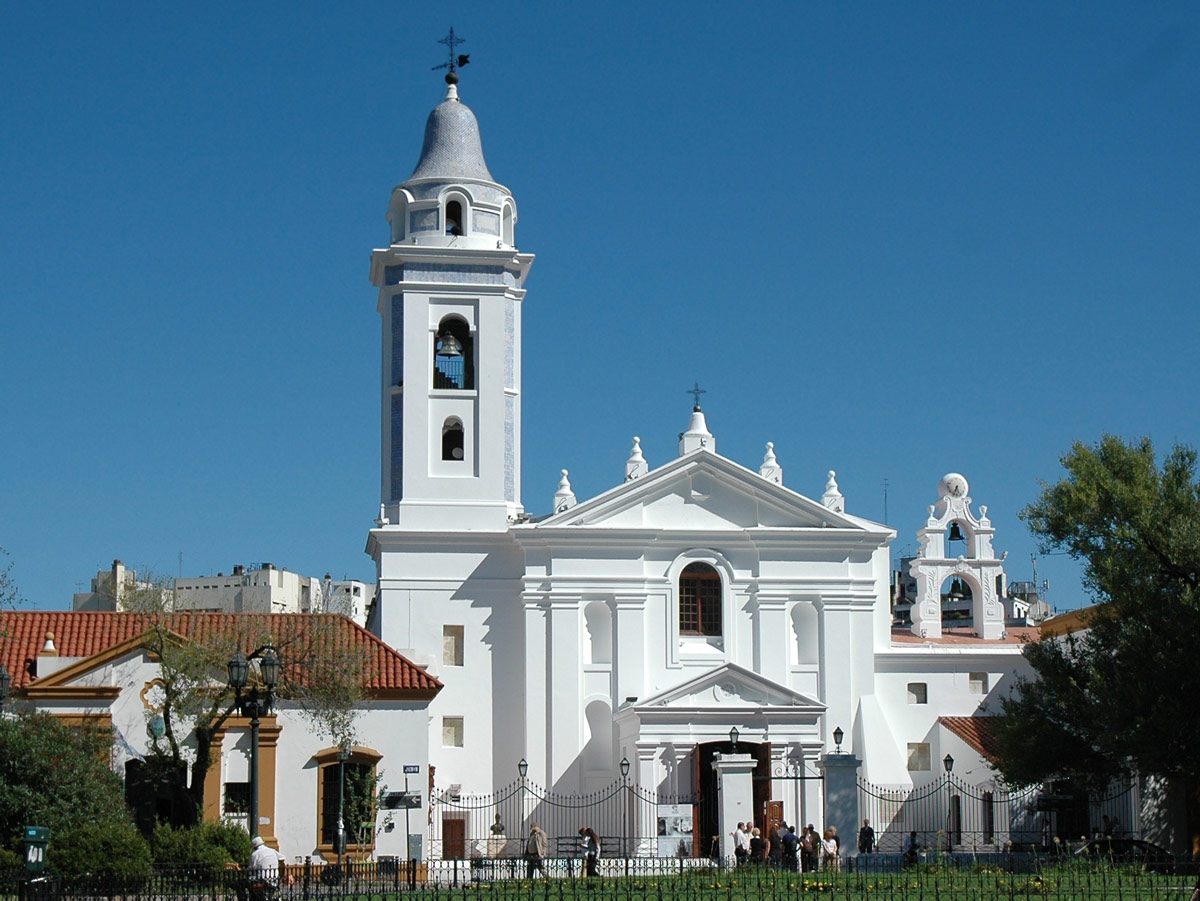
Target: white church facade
{"type": "Point", "coordinates": [639, 627]}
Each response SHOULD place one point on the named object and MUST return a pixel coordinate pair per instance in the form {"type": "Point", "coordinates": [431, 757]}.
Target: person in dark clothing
{"type": "Point", "coordinates": [791, 850]}
{"type": "Point", "coordinates": [866, 838]}
{"type": "Point", "coordinates": [912, 849]}
{"type": "Point", "coordinates": [758, 848]}
{"type": "Point", "coordinates": [775, 847]}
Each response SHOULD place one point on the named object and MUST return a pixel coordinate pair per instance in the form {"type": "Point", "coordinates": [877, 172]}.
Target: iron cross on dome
{"type": "Point", "coordinates": [453, 62]}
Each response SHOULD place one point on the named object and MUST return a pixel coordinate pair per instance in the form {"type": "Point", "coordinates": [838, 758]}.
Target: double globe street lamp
{"type": "Point", "coordinates": [255, 703]}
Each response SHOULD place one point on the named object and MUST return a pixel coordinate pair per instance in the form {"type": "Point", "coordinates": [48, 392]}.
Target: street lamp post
{"type": "Point", "coordinates": [625, 812]}
{"type": "Point", "coordinates": [343, 756]}
{"type": "Point", "coordinates": [948, 765]}
{"type": "Point", "coordinates": [255, 703]}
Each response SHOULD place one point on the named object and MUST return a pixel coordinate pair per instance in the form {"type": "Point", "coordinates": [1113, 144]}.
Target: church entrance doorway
{"type": "Point", "coordinates": [706, 815]}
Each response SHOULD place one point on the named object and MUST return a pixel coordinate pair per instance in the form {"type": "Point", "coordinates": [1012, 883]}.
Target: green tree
{"type": "Point", "coordinates": [323, 676]}
{"type": "Point", "coordinates": [58, 776]}
{"type": "Point", "coordinates": [10, 597]}
{"type": "Point", "coordinates": [1119, 695]}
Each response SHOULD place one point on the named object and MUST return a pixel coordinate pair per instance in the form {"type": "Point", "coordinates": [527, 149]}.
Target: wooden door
{"type": "Point", "coordinates": [454, 838]}
{"type": "Point", "coordinates": [774, 816]}
{"type": "Point", "coordinates": [762, 783]}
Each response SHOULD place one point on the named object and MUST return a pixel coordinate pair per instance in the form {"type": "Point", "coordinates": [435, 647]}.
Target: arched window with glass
{"type": "Point", "coordinates": [699, 600]}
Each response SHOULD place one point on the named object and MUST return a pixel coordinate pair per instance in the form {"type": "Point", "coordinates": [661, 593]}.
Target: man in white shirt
{"type": "Point", "coordinates": [741, 844]}
{"type": "Point", "coordinates": [264, 862]}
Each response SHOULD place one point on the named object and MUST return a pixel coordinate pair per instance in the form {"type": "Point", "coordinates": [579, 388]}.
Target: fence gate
{"type": "Point", "coordinates": [496, 825]}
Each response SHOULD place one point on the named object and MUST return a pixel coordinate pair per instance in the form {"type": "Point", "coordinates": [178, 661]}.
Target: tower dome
{"type": "Point", "coordinates": [452, 149]}
{"type": "Point", "coordinates": [451, 199]}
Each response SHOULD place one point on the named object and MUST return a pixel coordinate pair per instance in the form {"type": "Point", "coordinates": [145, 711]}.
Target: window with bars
{"type": "Point", "coordinates": [699, 600]}
{"type": "Point", "coordinates": [358, 803]}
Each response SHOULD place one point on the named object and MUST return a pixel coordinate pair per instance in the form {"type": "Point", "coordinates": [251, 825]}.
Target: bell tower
{"type": "Point", "coordinates": [974, 566]}
{"type": "Point", "coordinates": [451, 286]}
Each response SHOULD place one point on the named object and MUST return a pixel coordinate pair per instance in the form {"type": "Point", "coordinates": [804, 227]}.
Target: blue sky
{"type": "Point", "coordinates": [895, 239]}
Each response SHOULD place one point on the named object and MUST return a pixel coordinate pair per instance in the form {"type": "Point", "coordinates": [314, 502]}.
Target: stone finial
{"type": "Point", "coordinates": [48, 649]}
{"type": "Point", "coordinates": [383, 518]}
{"type": "Point", "coordinates": [770, 469]}
{"type": "Point", "coordinates": [564, 498]}
{"type": "Point", "coordinates": [832, 498]}
{"type": "Point", "coordinates": [636, 466]}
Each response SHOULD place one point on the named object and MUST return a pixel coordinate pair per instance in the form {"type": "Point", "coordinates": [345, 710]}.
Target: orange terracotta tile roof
{"type": "Point", "coordinates": [959, 635]}
{"type": "Point", "coordinates": [80, 634]}
{"type": "Point", "coordinates": [977, 731]}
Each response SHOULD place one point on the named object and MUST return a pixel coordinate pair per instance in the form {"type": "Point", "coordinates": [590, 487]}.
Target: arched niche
{"type": "Point", "coordinates": [805, 634]}
{"type": "Point", "coordinates": [597, 646]}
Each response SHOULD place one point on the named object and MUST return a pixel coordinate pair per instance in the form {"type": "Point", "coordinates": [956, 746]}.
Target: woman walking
{"type": "Point", "coordinates": [590, 842]}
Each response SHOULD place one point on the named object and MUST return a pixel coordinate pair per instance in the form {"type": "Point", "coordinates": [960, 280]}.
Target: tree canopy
{"type": "Point", "coordinates": [322, 677]}
{"type": "Point", "coordinates": [1120, 694]}
{"type": "Point", "coordinates": [52, 774]}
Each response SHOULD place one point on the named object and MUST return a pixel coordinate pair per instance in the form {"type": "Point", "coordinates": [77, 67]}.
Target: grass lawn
{"type": "Point", "coordinates": [1068, 884]}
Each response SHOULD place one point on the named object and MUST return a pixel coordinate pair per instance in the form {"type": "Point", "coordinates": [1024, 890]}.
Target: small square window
{"type": "Point", "coordinates": [918, 757]}
{"type": "Point", "coordinates": [452, 732]}
{"type": "Point", "coordinates": [918, 693]}
{"type": "Point", "coordinates": [237, 798]}
{"type": "Point", "coordinates": [452, 645]}
{"type": "Point", "coordinates": [978, 683]}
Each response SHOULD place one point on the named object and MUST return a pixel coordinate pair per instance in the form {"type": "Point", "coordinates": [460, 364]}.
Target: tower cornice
{"type": "Point", "coordinates": [402, 254]}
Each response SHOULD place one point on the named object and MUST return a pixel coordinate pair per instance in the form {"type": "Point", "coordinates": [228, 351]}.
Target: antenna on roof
{"type": "Point", "coordinates": [453, 62]}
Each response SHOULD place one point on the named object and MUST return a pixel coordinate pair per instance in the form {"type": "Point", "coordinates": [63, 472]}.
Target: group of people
{"type": "Point", "coordinates": [781, 848]}
{"type": "Point", "coordinates": [537, 846]}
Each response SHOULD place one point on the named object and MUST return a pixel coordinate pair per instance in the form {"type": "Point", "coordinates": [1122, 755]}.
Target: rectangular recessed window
{"type": "Point", "coordinates": [918, 757]}
{"type": "Point", "coordinates": [452, 645]}
{"type": "Point", "coordinates": [918, 693]}
{"type": "Point", "coordinates": [979, 683]}
{"type": "Point", "coordinates": [452, 732]}
{"type": "Point", "coordinates": [237, 798]}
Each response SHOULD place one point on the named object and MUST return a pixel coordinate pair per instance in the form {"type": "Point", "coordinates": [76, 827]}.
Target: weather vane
{"type": "Point", "coordinates": [453, 63]}
{"type": "Point", "coordinates": [695, 391]}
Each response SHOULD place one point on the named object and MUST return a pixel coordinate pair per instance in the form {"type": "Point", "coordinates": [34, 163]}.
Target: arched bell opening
{"type": "Point", "coordinates": [959, 540]}
{"type": "Point", "coordinates": [453, 355]}
{"type": "Point", "coordinates": [958, 595]}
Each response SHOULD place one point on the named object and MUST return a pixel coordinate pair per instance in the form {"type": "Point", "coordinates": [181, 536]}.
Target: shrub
{"type": "Point", "coordinates": [111, 849]}
{"type": "Point", "coordinates": [208, 845]}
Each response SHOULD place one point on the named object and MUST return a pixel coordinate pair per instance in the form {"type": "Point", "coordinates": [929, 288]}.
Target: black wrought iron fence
{"type": "Point", "coordinates": [949, 813]}
{"type": "Point", "coordinates": [883, 876]}
{"type": "Point", "coordinates": [496, 825]}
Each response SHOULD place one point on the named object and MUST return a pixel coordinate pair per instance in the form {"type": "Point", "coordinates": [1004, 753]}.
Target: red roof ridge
{"type": "Point", "coordinates": [86, 633]}
{"type": "Point", "coordinates": [977, 731]}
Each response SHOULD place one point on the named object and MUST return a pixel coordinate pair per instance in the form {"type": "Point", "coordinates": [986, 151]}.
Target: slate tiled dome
{"type": "Point", "coordinates": [452, 148]}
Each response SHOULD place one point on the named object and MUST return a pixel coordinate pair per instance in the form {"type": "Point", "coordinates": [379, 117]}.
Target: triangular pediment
{"type": "Point", "coordinates": [729, 686]}
{"type": "Point", "coordinates": [79, 671]}
{"type": "Point", "coordinates": [702, 491]}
